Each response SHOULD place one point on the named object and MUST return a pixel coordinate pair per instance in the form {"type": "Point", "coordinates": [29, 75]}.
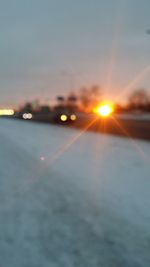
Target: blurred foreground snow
{"type": "Point", "coordinates": [72, 200]}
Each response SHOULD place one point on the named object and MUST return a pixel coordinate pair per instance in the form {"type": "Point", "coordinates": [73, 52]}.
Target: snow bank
{"type": "Point", "coordinates": [70, 198]}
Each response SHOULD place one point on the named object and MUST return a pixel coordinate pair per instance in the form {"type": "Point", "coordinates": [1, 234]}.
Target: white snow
{"type": "Point", "coordinates": [69, 198]}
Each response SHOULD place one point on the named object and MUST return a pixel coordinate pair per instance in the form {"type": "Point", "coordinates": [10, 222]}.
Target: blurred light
{"type": "Point", "coordinates": [73, 117]}
{"type": "Point", "coordinates": [42, 158]}
{"type": "Point", "coordinates": [24, 116]}
{"type": "Point", "coordinates": [30, 116]}
{"type": "Point", "coordinates": [63, 117]}
{"type": "Point", "coordinates": [6, 112]}
{"type": "Point", "coordinates": [27, 116]}
{"type": "Point", "coordinates": [104, 110]}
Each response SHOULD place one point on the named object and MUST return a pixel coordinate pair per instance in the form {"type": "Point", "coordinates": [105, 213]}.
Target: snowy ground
{"type": "Point", "coordinates": [72, 200]}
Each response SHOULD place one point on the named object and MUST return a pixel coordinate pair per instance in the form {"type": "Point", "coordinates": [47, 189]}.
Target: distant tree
{"type": "Point", "coordinates": [60, 99]}
{"type": "Point", "coordinates": [89, 97]}
{"type": "Point", "coordinates": [72, 98]}
{"type": "Point", "coordinates": [35, 105]}
{"type": "Point", "coordinates": [95, 94]}
{"type": "Point", "coordinates": [72, 102]}
{"type": "Point", "coordinates": [84, 97]}
{"type": "Point", "coordinates": [119, 108]}
{"type": "Point", "coordinates": [139, 99]}
{"type": "Point", "coordinates": [27, 108]}
{"type": "Point", "coordinates": [45, 109]}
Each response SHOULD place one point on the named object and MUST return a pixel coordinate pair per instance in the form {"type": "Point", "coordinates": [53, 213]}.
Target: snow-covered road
{"type": "Point", "coordinates": [72, 199]}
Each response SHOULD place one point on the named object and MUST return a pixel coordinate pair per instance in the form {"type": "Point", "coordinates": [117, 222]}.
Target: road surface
{"type": "Point", "coordinates": [69, 198]}
{"type": "Point", "coordinates": [124, 125]}
{"type": "Point", "coordinates": [127, 125]}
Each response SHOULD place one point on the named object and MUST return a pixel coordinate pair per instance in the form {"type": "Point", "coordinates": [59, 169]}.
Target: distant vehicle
{"type": "Point", "coordinates": [62, 115]}
{"type": "Point", "coordinates": [59, 114]}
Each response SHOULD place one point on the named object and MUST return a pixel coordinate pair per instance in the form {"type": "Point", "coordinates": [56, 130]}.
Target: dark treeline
{"type": "Point", "coordinates": [87, 98]}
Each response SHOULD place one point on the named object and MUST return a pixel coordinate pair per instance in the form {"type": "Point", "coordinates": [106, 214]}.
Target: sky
{"type": "Point", "coordinates": [52, 47]}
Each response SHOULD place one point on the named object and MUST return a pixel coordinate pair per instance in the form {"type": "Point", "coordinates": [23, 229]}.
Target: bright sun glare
{"type": "Point", "coordinates": [104, 110]}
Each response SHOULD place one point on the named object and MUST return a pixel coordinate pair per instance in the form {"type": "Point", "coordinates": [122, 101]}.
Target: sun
{"type": "Point", "coordinates": [104, 110]}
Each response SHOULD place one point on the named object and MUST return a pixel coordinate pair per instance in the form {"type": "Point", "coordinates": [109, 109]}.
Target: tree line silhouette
{"type": "Point", "coordinates": [89, 97]}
